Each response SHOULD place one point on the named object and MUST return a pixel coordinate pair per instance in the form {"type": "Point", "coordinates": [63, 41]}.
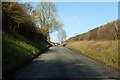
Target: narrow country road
{"type": "Point", "coordinates": [61, 62]}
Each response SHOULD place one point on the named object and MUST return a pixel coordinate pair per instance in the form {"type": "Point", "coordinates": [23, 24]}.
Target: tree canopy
{"type": "Point", "coordinates": [46, 17]}
{"type": "Point", "coordinates": [28, 21]}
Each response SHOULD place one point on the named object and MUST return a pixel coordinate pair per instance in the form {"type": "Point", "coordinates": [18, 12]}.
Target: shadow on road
{"type": "Point", "coordinates": [58, 69]}
{"type": "Point", "coordinates": [60, 62]}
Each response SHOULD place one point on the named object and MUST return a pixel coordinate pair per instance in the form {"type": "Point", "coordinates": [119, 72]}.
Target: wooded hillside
{"type": "Point", "coordinates": [22, 38]}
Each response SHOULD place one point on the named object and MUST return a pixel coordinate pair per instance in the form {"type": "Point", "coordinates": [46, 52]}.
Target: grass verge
{"type": "Point", "coordinates": [102, 51]}
{"type": "Point", "coordinates": [16, 51]}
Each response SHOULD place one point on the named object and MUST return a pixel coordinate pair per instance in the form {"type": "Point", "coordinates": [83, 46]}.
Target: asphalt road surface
{"type": "Point", "coordinates": [61, 62]}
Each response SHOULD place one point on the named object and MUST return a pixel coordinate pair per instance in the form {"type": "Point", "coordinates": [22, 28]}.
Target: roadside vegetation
{"type": "Point", "coordinates": [100, 44]}
{"type": "Point", "coordinates": [25, 32]}
{"type": "Point", "coordinates": [18, 51]}
{"type": "Point", "coordinates": [101, 51]}
{"type": "Point", "coordinates": [109, 31]}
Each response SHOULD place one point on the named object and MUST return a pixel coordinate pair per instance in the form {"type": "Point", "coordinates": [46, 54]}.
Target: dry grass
{"type": "Point", "coordinates": [102, 51]}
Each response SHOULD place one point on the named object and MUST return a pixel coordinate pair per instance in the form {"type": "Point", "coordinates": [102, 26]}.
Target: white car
{"type": "Point", "coordinates": [56, 44]}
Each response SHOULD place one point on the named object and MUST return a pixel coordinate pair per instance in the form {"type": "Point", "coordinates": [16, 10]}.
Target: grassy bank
{"type": "Point", "coordinates": [102, 51]}
{"type": "Point", "coordinates": [16, 51]}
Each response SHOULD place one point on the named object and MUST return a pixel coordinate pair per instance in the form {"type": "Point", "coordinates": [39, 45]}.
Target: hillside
{"type": "Point", "coordinates": [109, 31]}
{"type": "Point", "coordinates": [100, 44]}
{"type": "Point", "coordinates": [22, 40]}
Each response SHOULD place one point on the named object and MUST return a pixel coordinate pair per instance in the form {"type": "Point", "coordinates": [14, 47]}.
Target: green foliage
{"type": "Point", "coordinates": [23, 19]}
{"type": "Point", "coordinates": [21, 38]}
{"type": "Point", "coordinates": [13, 10]}
{"type": "Point", "coordinates": [16, 19]}
{"type": "Point", "coordinates": [15, 52]}
{"type": "Point", "coordinates": [18, 50]}
{"type": "Point", "coordinates": [13, 14]}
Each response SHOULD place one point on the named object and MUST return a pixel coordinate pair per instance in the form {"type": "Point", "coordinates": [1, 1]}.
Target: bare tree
{"type": "Point", "coordinates": [61, 36]}
{"type": "Point", "coordinates": [46, 16]}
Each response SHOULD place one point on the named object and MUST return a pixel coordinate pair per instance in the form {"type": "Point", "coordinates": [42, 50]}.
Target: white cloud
{"type": "Point", "coordinates": [75, 19]}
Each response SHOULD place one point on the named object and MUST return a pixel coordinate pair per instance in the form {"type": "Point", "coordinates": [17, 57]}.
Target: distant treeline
{"type": "Point", "coordinates": [109, 31]}
{"type": "Point", "coordinates": [15, 19]}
